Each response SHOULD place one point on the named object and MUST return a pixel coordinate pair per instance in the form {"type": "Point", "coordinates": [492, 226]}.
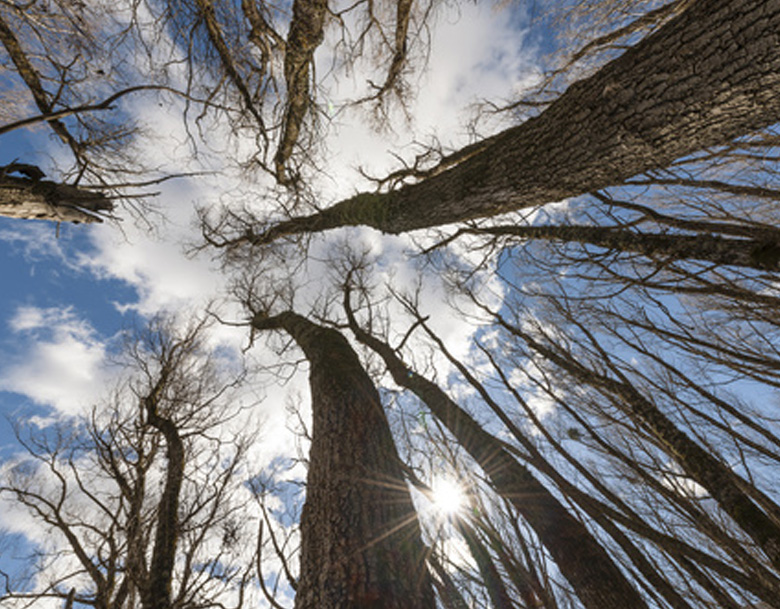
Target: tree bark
{"type": "Point", "coordinates": [761, 252]}
{"type": "Point", "coordinates": [36, 199]}
{"type": "Point", "coordinates": [45, 200]}
{"type": "Point", "coordinates": [491, 578]}
{"type": "Point", "coordinates": [709, 75]}
{"type": "Point", "coordinates": [360, 538]}
{"type": "Point", "coordinates": [596, 580]}
{"type": "Point", "coordinates": [306, 34]}
{"type": "Point", "coordinates": [157, 594]}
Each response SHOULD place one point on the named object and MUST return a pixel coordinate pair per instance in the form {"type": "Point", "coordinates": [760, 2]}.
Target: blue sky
{"type": "Point", "coordinates": [35, 274]}
{"type": "Point", "coordinates": [68, 293]}
{"type": "Point", "coordinates": [41, 270]}
{"type": "Point", "coordinates": [65, 298]}
{"type": "Point", "coordinates": [38, 277]}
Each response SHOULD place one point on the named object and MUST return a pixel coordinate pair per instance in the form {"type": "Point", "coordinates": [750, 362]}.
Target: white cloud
{"type": "Point", "coordinates": [62, 360]}
{"type": "Point", "coordinates": [477, 57]}
{"type": "Point", "coordinates": [164, 277]}
{"type": "Point", "coordinates": [27, 318]}
{"type": "Point", "coordinates": [35, 240]}
{"type": "Point", "coordinates": [62, 364]}
{"type": "Point", "coordinates": [474, 57]}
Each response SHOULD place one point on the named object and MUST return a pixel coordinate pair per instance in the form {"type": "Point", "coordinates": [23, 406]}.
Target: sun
{"type": "Point", "coordinates": [448, 496]}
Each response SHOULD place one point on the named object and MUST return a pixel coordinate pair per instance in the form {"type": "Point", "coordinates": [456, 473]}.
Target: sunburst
{"type": "Point", "coordinates": [448, 497]}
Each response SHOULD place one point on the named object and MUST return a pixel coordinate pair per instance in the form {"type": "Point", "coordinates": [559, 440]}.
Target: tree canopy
{"type": "Point", "coordinates": [561, 299]}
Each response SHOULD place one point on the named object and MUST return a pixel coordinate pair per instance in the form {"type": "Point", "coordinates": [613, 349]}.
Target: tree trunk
{"type": "Point", "coordinates": [36, 199]}
{"type": "Point", "coordinates": [360, 539]}
{"type": "Point", "coordinates": [491, 578]}
{"type": "Point", "coordinates": [708, 471]}
{"type": "Point", "coordinates": [157, 594]}
{"type": "Point", "coordinates": [596, 580]}
{"type": "Point", "coordinates": [32, 79]}
{"type": "Point", "coordinates": [762, 252]}
{"type": "Point", "coordinates": [709, 75]}
{"type": "Point", "coordinates": [305, 35]}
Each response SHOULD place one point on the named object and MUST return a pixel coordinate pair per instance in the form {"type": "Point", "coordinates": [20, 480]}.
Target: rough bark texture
{"type": "Point", "coordinates": [360, 538]}
{"type": "Point", "coordinates": [306, 34]}
{"type": "Point", "coordinates": [709, 75]}
{"type": "Point", "coordinates": [157, 594]}
{"type": "Point", "coordinates": [36, 199]}
{"type": "Point", "coordinates": [762, 252]}
{"type": "Point", "coordinates": [596, 580]}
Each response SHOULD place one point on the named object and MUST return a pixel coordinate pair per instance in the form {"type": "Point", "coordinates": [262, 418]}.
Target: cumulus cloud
{"type": "Point", "coordinates": [63, 362]}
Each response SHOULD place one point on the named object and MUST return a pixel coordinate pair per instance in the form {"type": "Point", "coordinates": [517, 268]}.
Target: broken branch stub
{"type": "Point", "coordinates": [36, 199]}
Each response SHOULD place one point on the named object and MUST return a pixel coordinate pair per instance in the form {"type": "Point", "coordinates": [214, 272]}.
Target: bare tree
{"type": "Point", "coordinates": [29, 196]}
{"type": "Point", "coordinates": [239, 67]}
{"type": "Point", "coordinates": [643, 313]}
{"type": "Point", "coordinates": [667, 519]}
{"type": "Point", "coordinates": [143, 499]}
{"type": "Point", "coordinates": [596, 579]}
{"type": "Point", "coordinates": [626, 119]}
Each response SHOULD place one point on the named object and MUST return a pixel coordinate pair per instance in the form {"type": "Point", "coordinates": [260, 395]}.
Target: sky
{"type": "Point", "coordinates": [70, 291]}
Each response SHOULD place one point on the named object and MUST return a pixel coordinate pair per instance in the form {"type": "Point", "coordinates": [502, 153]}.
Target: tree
{"type": "Point", "coordinates": [623, 521]}
{"type": "Point", "coordinates": [29, 196]}
{"type": "Point", "coordinates": [513, 170]}
{"type": "Point", "coordinates": [569, 314]}
{"type": "Point", "coordinates": [143, 498]}
{"type": "Point", "coordinates": [53, 62]}
{"type": "Point", "coordinates": [60, 56]}
{"type": "Point", "coordinates": [759, 252]}
{"type": "Point", "coordinates": [616, 456]}
{"type": "Point", "coordinates": [703, 79]}
{"type": "Point", "coordinates": [719, 480]}
{"type": "Point", "coordinates": [360, 538]}
{"type": "Point", "coordinates": [596, 580]}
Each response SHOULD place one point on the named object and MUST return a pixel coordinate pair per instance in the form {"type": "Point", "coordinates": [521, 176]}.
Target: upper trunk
{"type": "Point", "coordinates": [306, 34]}
{"type": "Point", "coordinates": [761, 252]}
{"type": "Point", "coordinates": [709, 75]}
{"type": "Point", "coordinates": [360, 538]}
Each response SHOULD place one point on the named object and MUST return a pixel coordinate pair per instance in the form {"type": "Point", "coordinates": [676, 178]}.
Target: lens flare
{"type": "Point", "coordinates": [448, 496]}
